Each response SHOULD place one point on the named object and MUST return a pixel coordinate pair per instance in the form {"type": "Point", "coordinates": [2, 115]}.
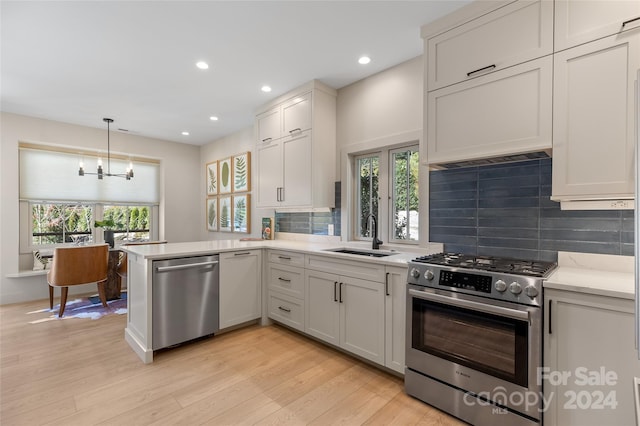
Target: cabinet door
{"type": "Point", "coordinates": [268, 125]}
{"type": "Point", "coordinates": [240, 287]}
{"type": "Point", "coordinates": [321, 306]}
{"type": "Point", "coordinates": [513, 34]}
{"type": "Point", "coordinates": [296, 115]}
{"type": "Point", "coordinates": [395, 322]}
{"type": "Point", "coordinates": [593, 134]}
{"type": "Point", "coordinates": [593, 336]}
{"type": "Point", "coordinates": [269, 173]}
{"type": "Point", "coordinates": [362, 318]}
{"type": "Point", "coordinates": [506, 112]}
{"type": "Point", "coordinates": [297, 169]}
{"type": "Point", "coordinates": [580, 21]}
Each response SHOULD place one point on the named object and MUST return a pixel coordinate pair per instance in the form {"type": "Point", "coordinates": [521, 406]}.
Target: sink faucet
{"type": "Point", "coordinates": [375, 244]}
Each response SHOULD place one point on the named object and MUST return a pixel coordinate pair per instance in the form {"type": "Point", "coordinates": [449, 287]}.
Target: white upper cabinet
{"type": "Point", "coordinates": [512, 34]}
{"type": "Point", "coordinates": [296, 115]}
{"type": "Point", "coordinates": [593, 125]}
{"type": "Point", "coordinates": [268, 125]}
{"type": "Point", "coordinates": [581, 21]}
{"type": "Point", "coordinates": [506, 112]}
{"type": "Point", "coordinates": [296, 161]}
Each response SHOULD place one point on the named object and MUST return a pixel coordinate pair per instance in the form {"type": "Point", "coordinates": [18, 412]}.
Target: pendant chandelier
{"type": "Point", "coordinates": [129, 173]}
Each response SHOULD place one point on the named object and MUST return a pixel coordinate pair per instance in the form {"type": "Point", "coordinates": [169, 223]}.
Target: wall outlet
{"type": "Point", "coordinates": [330, 229]}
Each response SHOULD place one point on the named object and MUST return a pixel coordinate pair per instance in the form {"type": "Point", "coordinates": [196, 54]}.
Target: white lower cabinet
{"type": "Point", "coordinates": [346, 312]}
{"type": "Point", "coordinates": [395, 302]}
{"type": "Point", "coordinates": [285, 275]}
{"type": "Point", "coordinates": [240, 287]}
{"type": "Point", "coordinates": [590, 359]}
{"type": "Point", "coordinates": [287, 310]}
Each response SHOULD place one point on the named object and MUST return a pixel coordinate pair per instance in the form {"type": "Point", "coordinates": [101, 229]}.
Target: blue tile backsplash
{"type": "Point", "coordinates": [505, 210]}
{"type": "Point", "coordinates": [311, 222]}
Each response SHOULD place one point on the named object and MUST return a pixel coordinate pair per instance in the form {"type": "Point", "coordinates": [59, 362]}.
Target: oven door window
{"type": "Point", "coordinates": [485, 342]}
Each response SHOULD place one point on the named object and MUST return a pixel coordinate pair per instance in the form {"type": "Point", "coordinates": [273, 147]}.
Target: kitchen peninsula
{"type": "Point", "coordinates": [373, 279]}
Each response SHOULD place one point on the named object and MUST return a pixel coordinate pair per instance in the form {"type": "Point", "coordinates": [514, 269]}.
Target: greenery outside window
{"type": "Point", "coordinates": [131, 222]}
{"type": "Point", "coordinates": [61, 223]}
{"type": "Point", "coordinates": [390, 174]}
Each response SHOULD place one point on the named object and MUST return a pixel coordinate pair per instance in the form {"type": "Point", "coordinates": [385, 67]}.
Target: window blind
{"type": "Point", "coordinates": [53, 176]}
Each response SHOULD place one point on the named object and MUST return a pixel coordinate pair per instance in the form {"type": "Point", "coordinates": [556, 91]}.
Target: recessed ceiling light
{"type": "Point", "coordinates": [185, 133]}
{"type": "Point", "coordinates": [213, 118]}
{"type": "Point", "coordinates": [364, 60]}
{"type": "Point", "coordinates": [266, 89]}
{"type": "Point", "coordinates": [202, 65]}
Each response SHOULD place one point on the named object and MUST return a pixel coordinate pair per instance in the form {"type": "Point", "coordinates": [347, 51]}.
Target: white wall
{"type": "Point", "coordinates": [381, 110]}
{"type": "Point", "coordinates": [180, 190]}
{"type": "Point", "coordinates": [225, 147]}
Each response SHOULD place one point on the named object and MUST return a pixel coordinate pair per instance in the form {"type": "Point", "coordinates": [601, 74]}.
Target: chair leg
{"type": "Point", "coordinates": [102, 294]}
{"type": "Point", "coordinates": [63, 300]}
{"type": "Point", "coordinates": [50, 297]}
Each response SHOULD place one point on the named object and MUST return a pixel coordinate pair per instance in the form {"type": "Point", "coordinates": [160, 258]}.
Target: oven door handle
{"type": "Point", "coordinates": [474, 306]}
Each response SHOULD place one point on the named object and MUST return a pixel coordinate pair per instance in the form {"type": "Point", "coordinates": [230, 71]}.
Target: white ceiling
{"type": "Point", "coordinates": [134, 61]}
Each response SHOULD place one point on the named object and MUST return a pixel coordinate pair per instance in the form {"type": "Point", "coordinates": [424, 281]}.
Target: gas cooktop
{"type": "Point", "coordinates": [532, 268]}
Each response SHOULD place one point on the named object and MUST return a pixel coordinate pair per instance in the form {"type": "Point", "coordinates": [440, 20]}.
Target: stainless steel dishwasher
{"type": "Point", "coordinates": [185, 294]}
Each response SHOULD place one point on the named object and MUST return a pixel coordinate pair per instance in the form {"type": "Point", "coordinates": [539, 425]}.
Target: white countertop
{"type": "Point", "coordinates": [197, 248]}
{"type": "Point", "coordinates": [604, 275]}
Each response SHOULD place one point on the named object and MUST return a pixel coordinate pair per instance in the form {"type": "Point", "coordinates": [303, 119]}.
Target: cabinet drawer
{"type": "Point", "coordinates": [506, 112]}
{"type": "Point", "coordinates": [286, 258]}
{"type": "Point", "coordinates": [287, 310]}
{"type": "Point", "coordinates": [518, 32]}
{"type": "Point", "coordinates": [363, 270]}
{"type": "Point", "coordinates": [287, 279]}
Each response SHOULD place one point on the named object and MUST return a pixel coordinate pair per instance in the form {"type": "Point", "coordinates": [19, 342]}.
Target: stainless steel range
{"type": "Point", "coordinates": [474, 336]}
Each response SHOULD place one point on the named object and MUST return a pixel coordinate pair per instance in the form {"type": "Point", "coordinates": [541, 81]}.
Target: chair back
{"type": "Point", "coordinates": [79, 265]}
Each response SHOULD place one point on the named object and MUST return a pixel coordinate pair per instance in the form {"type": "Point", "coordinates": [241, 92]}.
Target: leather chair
{"type": "Point", "coordinates": [78, 265]}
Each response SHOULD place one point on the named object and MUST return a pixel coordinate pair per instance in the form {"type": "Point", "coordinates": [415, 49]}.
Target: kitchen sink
{"type": "Point", "coordinates": [361, 252]}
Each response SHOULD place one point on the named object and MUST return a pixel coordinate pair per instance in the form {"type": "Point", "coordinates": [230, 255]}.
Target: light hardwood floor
{"type": "Point", "coordinates": [82, 372]}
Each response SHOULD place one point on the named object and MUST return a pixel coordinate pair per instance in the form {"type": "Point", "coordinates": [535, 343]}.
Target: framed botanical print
{"type": "Point", "coordinates": [226, 176]}
{"type": "Point", "coordinates": [212, 214]}
{"type": "Point", "coordinates": [212, 178]}
{"type": "Point", "coordinates": [225, 214]}
{"type": "Point", "coordinates": [242, 213]}
{"type": "Point", "coordinates": [242, 172]}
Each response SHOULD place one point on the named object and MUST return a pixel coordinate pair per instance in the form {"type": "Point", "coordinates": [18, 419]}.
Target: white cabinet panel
{"type": "Point", "coordinates": [322, 309]}
{"type": "Point", "coordinates": [286, 279]}
{"type": "Point", "coordinates": [510, 35]}
{"type": "Point", "coordinates": [506, 112]}
{"type": "Point", "coordinates": [240, 287]}
{"type": "Point", "coordinates": [589, 335]}
{"type": "Point", "coordinates": [268, 125]}
{"type": "Point", "coordinates": [297, 189]}
{"type": "Point", "coordinates": [296, 115]}
{"type": "Point", "coordinates": [580, 21]}
{"type": "Point", "coordinates": [269, 157]}
{"type": "Point", "coordinates": [287, 310]}
{"type": "Point", "coordinates": [593, 128]}
{"type": "Point", "coordinates": [395, 319]}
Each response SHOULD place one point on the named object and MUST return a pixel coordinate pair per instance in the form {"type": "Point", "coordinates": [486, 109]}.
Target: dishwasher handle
{"type": "Point", "coordinates": [186, 266]}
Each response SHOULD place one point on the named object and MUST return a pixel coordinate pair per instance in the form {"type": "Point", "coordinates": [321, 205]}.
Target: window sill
{"type": "Point", "coordinates": [28, 273]}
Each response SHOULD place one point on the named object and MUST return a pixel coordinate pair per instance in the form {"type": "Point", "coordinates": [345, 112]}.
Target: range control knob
{"type": "Point", "coordinates": [515, 288]}
{"type": "Point", "coordinates": [415, 273]}
{"type": "Point", "coordinates": [531, 291]}
{"type": "Point", "coordinates": [428, 275]}
{"type": "Point", "coordinates": [500, 286]}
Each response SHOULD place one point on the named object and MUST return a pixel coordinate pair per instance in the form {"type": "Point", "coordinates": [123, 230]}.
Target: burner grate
{"type": "Point", "coordinates": [531, 268]}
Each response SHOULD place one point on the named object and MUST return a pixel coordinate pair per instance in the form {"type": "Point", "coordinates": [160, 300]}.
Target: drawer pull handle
{"type": "Point", "coordinates": [244, 253]}
{"type": "Point", "coordinates": [335, 291]}
{"type": "Point", "coordinates": [284, 257]}
{"type": "Point", "coordinates": [386, 284]}
{"type": "Point", "coordinates": [487, 68]}
{"type": "Point", "coordinates": [266, 140]}
{"type": "Point", "coordinates": [630, 21]}
{"type": "Point", "coordinates": [298, 129]}
{"type": "Point", "coordinates": [284, 309]}
{"type": "Point", "coordinates": [284, 279]}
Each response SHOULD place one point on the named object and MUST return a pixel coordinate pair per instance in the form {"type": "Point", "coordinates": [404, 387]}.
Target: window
{"type": "Point", "coordinates": [404, 200]}
{"type": "Point", "coordinates": [390, 174]}
{"type": "Point", "coordinates": [59, 207]}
